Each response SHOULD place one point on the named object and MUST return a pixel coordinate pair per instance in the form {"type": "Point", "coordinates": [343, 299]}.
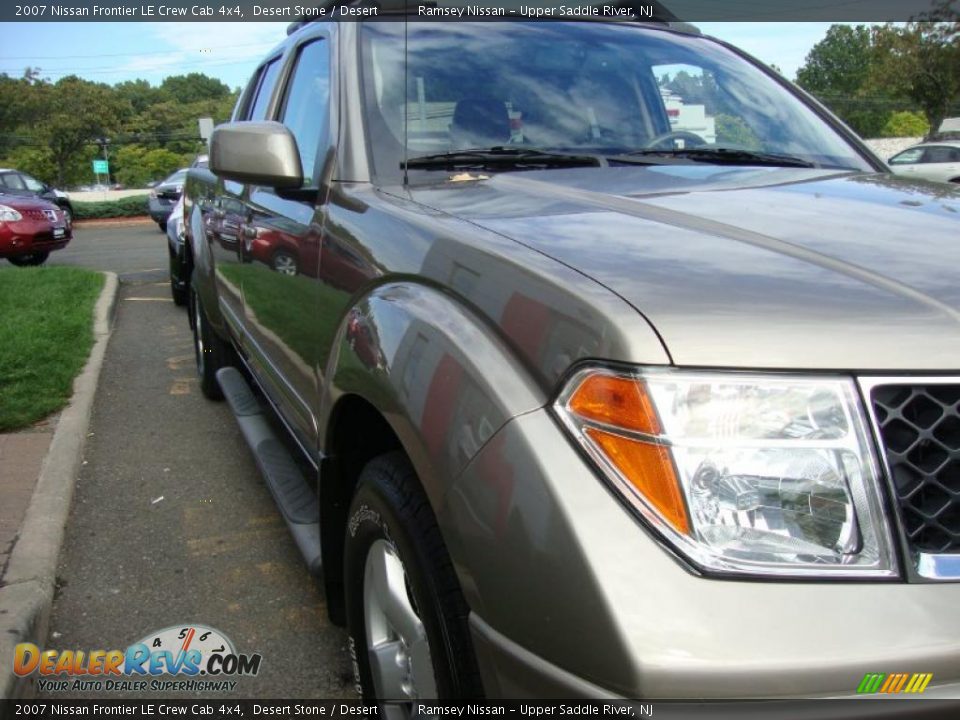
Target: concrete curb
{"type": "Point", "coordinates": [27, 594]}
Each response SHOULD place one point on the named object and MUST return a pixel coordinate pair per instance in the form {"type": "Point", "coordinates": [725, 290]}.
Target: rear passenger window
{"type": "Point", "coordinates": [939, 155]}
{"type": "Point", "coordinates": [268, 78]}
{"type": "Point", "coordinates": [305, 109]}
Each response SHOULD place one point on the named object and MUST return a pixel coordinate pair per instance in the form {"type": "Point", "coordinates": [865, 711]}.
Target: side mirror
{"type": "Point", "coordinates": [256, 153]}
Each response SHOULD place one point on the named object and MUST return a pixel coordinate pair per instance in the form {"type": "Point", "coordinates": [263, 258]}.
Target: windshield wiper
{"type": "Point", "coordinates": [721, 156]}
{"type": "Point", "coordinates": [501, 157]}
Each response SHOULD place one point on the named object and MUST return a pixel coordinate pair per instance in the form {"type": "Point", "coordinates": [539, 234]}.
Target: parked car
{"type": "Point", "coordinates": [174, 226]}
{"type": "Point", "coordinates": [14, 182]}
{"type": "Point", "coordinates": [164, 196]}
{"type": "Point", "coordinates": [609, 404]}
{"type": "Point", "coordinates": [30, 229]}
{"type": "Point", "coordinates": [938, 161]}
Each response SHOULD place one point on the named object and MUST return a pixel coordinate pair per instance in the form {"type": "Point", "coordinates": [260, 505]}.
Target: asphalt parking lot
{"type": "Point", "coordinates": [171, 523]}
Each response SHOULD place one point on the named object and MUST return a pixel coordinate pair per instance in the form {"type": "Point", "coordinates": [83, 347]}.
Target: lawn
{"type": "Point", "coordinates": [46, 332]}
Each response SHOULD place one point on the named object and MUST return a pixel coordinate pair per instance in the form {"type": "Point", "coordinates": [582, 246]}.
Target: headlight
{"type": "Point", "coordinates": [759, 474]}
{"type": "Point", "coordinates": [8, 214]}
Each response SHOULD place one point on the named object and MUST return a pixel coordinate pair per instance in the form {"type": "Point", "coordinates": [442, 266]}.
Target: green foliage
{"type": "Point", "coordinates": [838, 71]}
{"type": "Point", "coordinates": [905, 124]}
{"type": "Point", "coordinates": [45, 343]}
{"type": "Point", "coordinates": [53, 130]}
{"type": "Point", "coordinates": [135, 166]}
{"type": "Point", "coordinates": [921, 61]}
{"type": "Point", "coordinates": [133, 206]}
{"type": "Point", "coordinates": [840, 63]}
{"type": "Point", "coordinates": [194, 87]}
{"type": "Point", "coordinates": [734, 131]}
{"type": "Point", "coordinates": [875, 77]}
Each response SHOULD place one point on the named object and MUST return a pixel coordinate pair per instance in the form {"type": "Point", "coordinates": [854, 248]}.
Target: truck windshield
{"type": "Point", "coordinates": [578, 87]}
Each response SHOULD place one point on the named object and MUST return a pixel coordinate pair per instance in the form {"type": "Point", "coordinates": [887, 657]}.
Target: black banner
{"type": "Point", "coordinates": [283, 709]}
{"type": "Point", "coordinates": [465, 10]}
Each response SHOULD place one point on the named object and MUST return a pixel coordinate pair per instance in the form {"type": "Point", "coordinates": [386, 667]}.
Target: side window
{"type": "Point", "coordinates": [306, 106]}
{"type": "Point", "coordinates": [907, 157]}
{"type": "Point", "coordinates": [938, 154]}
{"type": "Point", "coordinates": [241, 109]}
{"type": "Point", "coordinates": [268, 79]}
{"type": "Point", "coordinates": [32, 184]}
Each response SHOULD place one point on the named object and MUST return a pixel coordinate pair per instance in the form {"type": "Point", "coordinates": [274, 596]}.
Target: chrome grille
{"type": "Point", "coordinates": [919, 427]}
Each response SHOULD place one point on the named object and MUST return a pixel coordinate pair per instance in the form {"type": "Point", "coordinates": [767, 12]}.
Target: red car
{"type": "Point", "coordinates": [30, 229]}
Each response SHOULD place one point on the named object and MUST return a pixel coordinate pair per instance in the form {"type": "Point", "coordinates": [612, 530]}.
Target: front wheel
{"type": "Point", "coordinates": [37, 258]}
{"type": "Point", "coordinates": [285, 263]}
{"type": "Point", "coordinates": [405, 612]}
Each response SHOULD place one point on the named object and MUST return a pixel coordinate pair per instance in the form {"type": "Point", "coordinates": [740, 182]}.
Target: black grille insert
{"type": "Point", "coordinates": [920, 430]}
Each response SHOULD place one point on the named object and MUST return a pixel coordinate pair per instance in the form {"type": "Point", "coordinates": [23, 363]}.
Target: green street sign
{"type": "Point", "coordinates": [101, 167]}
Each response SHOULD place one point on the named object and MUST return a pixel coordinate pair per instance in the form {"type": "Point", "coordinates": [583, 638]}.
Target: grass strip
{"type": "Point", "coordinates": [46, 332]}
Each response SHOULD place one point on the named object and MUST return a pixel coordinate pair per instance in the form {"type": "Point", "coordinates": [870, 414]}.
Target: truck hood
{"type": "Point", "coordinates": [748, 267]}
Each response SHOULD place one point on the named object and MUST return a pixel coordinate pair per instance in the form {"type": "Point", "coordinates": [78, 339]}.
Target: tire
{"type": "Point", "coordinates": [210, 350]}
{"type": "Point", "coordinates": [67, 213]}
{"type": "Point", "coordinates": [162, 225]}
{"type": "Point", "coordinates": [180, 295]}
{"type": "Point", "coordinates": [285, 263]}
{"type": "Point", "coordinates": [397, 574]}
{"type": "Point", "coordinates": [33, 259]}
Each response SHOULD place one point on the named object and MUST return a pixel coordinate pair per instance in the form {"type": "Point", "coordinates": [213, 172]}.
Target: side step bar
{"type": "Point", "coordinates": [297, 502]}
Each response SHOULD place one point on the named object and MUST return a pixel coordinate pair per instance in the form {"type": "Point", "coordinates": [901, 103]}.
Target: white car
{"type": "Point", "coordinates": [931, 161]}
{"type": "Point", "coordinates": [175, 238]}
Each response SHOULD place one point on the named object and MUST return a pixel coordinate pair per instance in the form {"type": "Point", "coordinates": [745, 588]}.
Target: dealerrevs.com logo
{"type": "Point", "coordinates": [178, 658]}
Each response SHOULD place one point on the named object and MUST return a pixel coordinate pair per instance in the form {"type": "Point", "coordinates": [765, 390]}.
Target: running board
{"type": "Point", "coordinates": [298, 503]}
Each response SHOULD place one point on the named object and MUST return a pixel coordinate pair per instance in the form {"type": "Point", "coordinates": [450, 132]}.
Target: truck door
{"type": "Point", "coordinates": [229, 213]}
{"type": "Point", "coordinates": [281, 240]}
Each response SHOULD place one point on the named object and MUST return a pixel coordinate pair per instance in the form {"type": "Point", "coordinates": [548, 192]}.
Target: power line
{"type": "Point", "coordinates": [155, 68]}
{"type": "Point", "coordinates": [135, 55]}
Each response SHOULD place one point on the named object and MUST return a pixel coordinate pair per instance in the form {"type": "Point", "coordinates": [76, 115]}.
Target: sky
{"type": "Point", "coordinates": [114, 52]}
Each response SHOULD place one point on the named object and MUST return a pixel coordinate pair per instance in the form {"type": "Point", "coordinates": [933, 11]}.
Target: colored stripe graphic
{"type": "Point", "coordinates": [871, 682]}
{"type": "Point", "coordinates": [894, 683]}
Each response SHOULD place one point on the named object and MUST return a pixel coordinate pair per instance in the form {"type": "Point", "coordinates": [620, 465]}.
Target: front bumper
{"type": "Point", "coordinates": [29, 236]}
{"type": "Point", "coordinates": [551, 560]}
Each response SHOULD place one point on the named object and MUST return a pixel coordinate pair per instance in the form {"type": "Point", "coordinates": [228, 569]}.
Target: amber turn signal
{"type": "Point", "coordinates": [614, 400]}
{"type": "Point", "coordinates": [649, 469]}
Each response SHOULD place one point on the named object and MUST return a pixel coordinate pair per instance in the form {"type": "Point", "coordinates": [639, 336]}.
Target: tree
{"type": "Point", "coordinates": [838, 70]}
{"type": "Point", "coordinates": [840, 63]}
{"type": "Point", "coordinates": [921, 60]}
{"type": "Point", "coordinates": [140, 94]}
{"type": "Point", "coordinates": [77, 112]}
{"type": "Point", "coordinates": [193, 87]}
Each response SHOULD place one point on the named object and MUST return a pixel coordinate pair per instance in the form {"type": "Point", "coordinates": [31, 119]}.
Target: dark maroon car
{"type": "Point", "coordinates": [30, 229]}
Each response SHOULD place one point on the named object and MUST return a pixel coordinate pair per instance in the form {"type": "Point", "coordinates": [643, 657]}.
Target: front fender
{"type": "Point", "coordinates": [442, 379]}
